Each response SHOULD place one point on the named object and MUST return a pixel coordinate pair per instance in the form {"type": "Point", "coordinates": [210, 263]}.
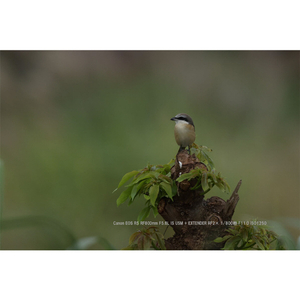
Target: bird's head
{"type": "Point", "coordinates": [183, 118]}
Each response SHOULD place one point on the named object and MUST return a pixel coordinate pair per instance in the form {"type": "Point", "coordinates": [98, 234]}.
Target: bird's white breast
{"type": "Point", "coordinates": [184, 133]}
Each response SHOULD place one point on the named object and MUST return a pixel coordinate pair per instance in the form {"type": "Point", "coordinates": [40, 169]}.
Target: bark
{"type": "Point", "coordinates": [196, 221]}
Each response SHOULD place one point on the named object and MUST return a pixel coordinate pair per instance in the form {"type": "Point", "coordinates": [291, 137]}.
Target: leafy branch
{"type": "Point", "coordinates": [250, 237]}
{"type": "Point", "coordinates": [155, 182]}
{"type": "Point", "coordinates": [145, 239]}
{"type": "Point", "coordinates": [206, 179]}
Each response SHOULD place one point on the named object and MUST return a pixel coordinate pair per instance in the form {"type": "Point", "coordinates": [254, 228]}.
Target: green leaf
{"type": "Point", "coordinates": [226, 186]}
{"type": "Point", "coordinates": [153, 193]}
{"type": "Point", "coordinates": [258, 243]}
{"type": "Point", "coordinates": [233, 231]}
{"type": "Point", "coordinates": [218, 240]}
{"type": "Point", "coordinates": [205, 148]}
{"type": "Point", "coordinates": [161, 243]}
{"type": "Point", "coordinates": [124, 196]}
{"type": "Point", "coordinates": [204, 181]}
{"type": "Point", "coordinates": [141, 177]}
{"type": "Point", "coordinates": [188, 176]}
{"type": "Point", "coordinates": [231, 243]}
{"type": "Point", "coordinates": [184, 177]}
{"type": "Point", "coordinates": [144, 242]}
{"type": "Point", "coordinates": [208, 159]}
{"type": "Point", "coordinates": [245, 235]}
{"type": "Point", "coordinates": [144, 213]}
{"type": "Point", "coordinates": [197, 185]}
{"type": "Point", "coordinates": [222, 239]}
{"type": "Point", "coordinates": [126, 177]}
{"type": "Point", "coordinates": [166, 169]}
{"type": "Point", "coordinates": [240, 244]}
{"type": "Point", "coordinates": [130, 201]}
{"type": "Point", "coordinates": [165, 179]}
{"type": "Point", "coordinates": [168, 189]}
{"type": "Point", "coordinates": [134, 237]}
{"type": "Point", "coordinates": [155, 211]}
{"type": "Point", "coordinates": [136, 188]}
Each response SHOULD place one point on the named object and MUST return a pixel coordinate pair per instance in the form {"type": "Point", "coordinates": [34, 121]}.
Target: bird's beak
{"type": "Point", "coordinates": [173, 119]}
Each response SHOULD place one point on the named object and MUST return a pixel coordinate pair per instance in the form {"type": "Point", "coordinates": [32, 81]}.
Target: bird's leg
{"type": "Point", "coordinates": [189, 149]}
{"type": "Point", "coordinates": [180, 149]}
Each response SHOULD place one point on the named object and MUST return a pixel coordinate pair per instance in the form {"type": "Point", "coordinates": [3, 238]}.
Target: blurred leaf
{"type": "Point", "coordinates": [124, 196]}
{"type": "Point", "coordinates": [161, 243]}
{"type": "Point", "coordinates": [208, 159]}
{"type": "Point", "coordinates": [218, 240]}
{"type": "Point", "coordinates": [258, 243]}
{"type": "Point", "coordinates": [231, 243]}
{"type": "Point", "coordinates": [142, 177]}
{"type": "Point", "coordinates": [166, 179]}
{"type": "Point", "coordinates": [245, 235]}
{"type": "Point", "coordinates": [130, 201]}
{"type": "Point", "coordinates": [144, 243]}
{"type": "Point", "coordinates": [213, 176]}
{"type": "Point", "coordinates": [204, 183]}
{"type": "Point", "coordinates": [252, 237]}
{"type": "Point", "coordinates": [144, 213]}
{"type": "Point", "coordinates": [167, 188]}
{"type": "Point", "coordinates": [233, 231]}
{"type": "Point", "coordinates": [136, 188]}
{"type": "Point", "coordinates": [186, 176]}
{"type": "Point", "coordinates": [174, 189]}
{"type": "Point", "coordinates": [126, 177]}
{"type": "Point", "coordinates": [134, 237]}
{"type": "Point", "coordinates": [153, 193]}
{"type": "Point", "coordinates": [222, 239]}
{"type": "Point", "coordinates": [145, 238]}
{"type": "Point", "coordinates": [166, 169]}
{"type": "Point", "coordinates": [155, 211]}
{"type": "Point", "coordinates": [205, 148]}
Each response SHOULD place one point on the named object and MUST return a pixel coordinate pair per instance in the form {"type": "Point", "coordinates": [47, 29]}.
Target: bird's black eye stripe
{"type": "Point", "coordinates": [183, 119]}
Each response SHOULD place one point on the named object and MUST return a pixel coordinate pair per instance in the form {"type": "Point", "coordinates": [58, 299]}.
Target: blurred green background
{"type": "Point", "coordinates": [74, 122]}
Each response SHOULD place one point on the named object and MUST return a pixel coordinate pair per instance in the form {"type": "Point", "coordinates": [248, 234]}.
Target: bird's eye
{"type": "Point", "coordinates": [183, 119]}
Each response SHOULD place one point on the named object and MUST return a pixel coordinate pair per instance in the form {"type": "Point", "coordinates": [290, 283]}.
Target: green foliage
{"type": "Point", "coordinates": [250, 237]}
{"type": "Point", "coordinates": [199, 151]}
{"type": "Point", "coordinates": [209, 178]}
{"type": "Point", "coordinates": [206, 179]}
{"type": "Point", "coordinates": [154, 182]}
{"type": "Point", "coordinates": [146, 239]}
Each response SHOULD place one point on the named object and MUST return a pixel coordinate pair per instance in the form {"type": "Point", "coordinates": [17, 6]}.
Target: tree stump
{"type": "Point", "coordinates": [196, 221]}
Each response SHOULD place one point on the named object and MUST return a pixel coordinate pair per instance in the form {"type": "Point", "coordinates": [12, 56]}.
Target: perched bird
{"type": "Point", "coordinates": [184, 131]}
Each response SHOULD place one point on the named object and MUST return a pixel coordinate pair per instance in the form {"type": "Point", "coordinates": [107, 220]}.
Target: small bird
{"type": "Point", "coordinates": [184, 131]}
